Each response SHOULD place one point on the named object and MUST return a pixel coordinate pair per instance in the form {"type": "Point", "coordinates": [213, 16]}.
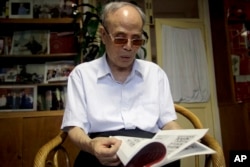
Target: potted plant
{"type": "Point", "coordinates": [88, 38]}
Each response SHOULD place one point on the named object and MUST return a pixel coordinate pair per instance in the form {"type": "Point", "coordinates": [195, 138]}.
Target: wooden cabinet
{"type": "Point", "coordinates": [11, 142]}
{"type": "Point", "coordinates": [23, 134]}
{"type": "Point", "coordinates": [234, 113]}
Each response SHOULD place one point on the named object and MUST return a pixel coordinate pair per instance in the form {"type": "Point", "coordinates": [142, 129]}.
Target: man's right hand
{"type": "Point", "coordinates": [105, 148]}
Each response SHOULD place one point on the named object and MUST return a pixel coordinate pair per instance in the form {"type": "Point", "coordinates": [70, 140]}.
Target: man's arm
{"type": "Point", "coordinates": [171, 125]}
{"type": "Point", "coordinates": [79, 138]}
{"type": "Point", "coordinates": [104, 148]}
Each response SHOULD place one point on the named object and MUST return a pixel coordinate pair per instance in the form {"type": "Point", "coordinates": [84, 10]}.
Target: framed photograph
{"type": "Point", "coordinates": [21, 9]}
{"type": "Point", "coordinates": [33, 42]}
{"type": "Point", "coordinates": [47, 8]}
{"type": "Point", "coordinates": [18, 98]}
{"type": "Point", "coordinates": [11, 75]}
{"type": "Point", "coordinates": [53, 8]}
{"type": "Point", "coordinates": [8, 74]}
{"type": "Point", "coordinates": [58, 71]}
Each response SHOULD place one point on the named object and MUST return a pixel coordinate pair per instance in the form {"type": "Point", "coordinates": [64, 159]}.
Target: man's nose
{"type": "Point", "coordinates": [128, 45]}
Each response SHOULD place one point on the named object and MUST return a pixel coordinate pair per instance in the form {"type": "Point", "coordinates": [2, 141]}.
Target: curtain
{"type": "Point", "coordinates": [184, 61]}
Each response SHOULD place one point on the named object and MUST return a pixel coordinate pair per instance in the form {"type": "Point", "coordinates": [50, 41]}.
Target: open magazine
{"type": "Point", "coordinates": [165, 147]}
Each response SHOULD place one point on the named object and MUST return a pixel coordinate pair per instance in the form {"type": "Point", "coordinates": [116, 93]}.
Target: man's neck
{"type": "Point", "coordinates": [121, 74]}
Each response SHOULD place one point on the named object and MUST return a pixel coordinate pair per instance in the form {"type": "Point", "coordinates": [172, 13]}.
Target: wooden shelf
{"type": "Point", "coordinates": [39, 56]}
{"type": "Point", "coordinates": [38, 21]}
{"type": "Point", "coordinates": [26, 114]}
{"type": "Point", "coordinates": [63, 83]}
{"type": "Point", "coordinates": [35, 59]}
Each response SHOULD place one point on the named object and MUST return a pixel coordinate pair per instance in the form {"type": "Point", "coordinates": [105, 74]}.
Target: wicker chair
{"type": "Point", "coordinates": [217, 159]}
{"type": "Point", "coordinates": [54, 146]}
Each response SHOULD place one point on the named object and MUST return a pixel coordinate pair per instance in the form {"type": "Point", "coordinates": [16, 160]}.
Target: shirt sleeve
{"type": "Point", "coordinates": [75, 110]}
{"type": "Point", "coordinates": [166, 104]}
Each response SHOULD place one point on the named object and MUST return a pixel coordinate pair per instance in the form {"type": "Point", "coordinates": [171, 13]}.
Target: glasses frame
{"type": "Point", "coordinates": [126, 39]}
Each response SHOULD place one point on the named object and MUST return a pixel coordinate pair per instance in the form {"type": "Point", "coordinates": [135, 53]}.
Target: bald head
{"type": "Point", "coordinates": [130, 10]}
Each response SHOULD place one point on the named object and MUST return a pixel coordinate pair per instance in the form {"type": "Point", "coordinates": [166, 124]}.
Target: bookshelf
{"type": "Point", "coordinates": [36, 63]}
{"type": "Point", "coordinates": [24, 131]}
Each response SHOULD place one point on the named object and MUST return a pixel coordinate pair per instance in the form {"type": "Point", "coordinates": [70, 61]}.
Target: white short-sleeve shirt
{"type": "Point", "coordinates": [96, 102]}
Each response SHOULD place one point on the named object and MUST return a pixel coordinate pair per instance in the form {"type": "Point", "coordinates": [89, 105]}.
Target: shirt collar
{"type": "Point", "coordinates": [137, 69]}
{"type": "Point", "coordinates": [104, 69]}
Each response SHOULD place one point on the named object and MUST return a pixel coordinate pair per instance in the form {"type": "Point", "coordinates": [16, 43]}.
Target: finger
{"type": "Point", "coordinates": [111, 161]}
{"type": "Point", "coordinates": [109, 150]}
{"type": "Point", "coordinates": [115, 144]}
{"type": "Point", "coordinates": [109, 158]}
{"type": "Point", "coordinates": [114, 163]}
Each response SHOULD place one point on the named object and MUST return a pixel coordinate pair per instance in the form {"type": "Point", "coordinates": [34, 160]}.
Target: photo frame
{"type": "Point", "coordinates": [21, 9]}
{"type": "Point", "coordinates": [32, 42]}
{"type": "Point", "coordinates": [47, 8]}
{"type": "Point", "coordinates": [18, 98]}
{"type": "Point", "coordinates": [58, 71]}
{"type": "Point", "coordinates": [11, 75]}
{"type": "Point", "coordinates": [8, 74]}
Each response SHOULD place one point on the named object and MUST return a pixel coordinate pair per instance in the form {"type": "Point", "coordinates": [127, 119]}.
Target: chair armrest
{"type": "Point", "coordinates": [43, 152]}
{"type": "Point", "coordinates": [189, 115]}
{"type": "Point", "coordinates": [216, 159]}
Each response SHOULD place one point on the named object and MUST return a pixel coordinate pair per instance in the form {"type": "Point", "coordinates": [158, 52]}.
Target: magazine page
{"type": "Point", "coordinates": [177, 140]}
{"type": "Point", "coordinates": [134, 148]}
{"type": "Point", "coordinates": [196, 148]}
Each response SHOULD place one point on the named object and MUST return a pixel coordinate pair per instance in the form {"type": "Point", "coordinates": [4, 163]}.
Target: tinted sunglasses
{"type": "Point", "coordinates": [123, 41]}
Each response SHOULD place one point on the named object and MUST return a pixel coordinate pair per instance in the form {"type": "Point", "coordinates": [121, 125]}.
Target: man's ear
{"type": "Point", "coordinates": [103, 34]}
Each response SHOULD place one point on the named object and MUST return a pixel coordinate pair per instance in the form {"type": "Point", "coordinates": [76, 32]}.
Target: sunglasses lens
{"type": "Point", "coordinates": [120, 41]}
{"type": "Point", "coordinates": [124, 41]}
{"type": "Point", "coordinates": [138, 42]}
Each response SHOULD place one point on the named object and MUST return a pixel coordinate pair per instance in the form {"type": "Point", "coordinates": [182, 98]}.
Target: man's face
{"type": "Point", "coordinates": [125, 23]}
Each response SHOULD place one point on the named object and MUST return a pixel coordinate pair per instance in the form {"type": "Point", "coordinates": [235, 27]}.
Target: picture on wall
{"type": "Point", "coordinates": [32, 42]}
{"type": "Point", "coordinates": [18, 98]}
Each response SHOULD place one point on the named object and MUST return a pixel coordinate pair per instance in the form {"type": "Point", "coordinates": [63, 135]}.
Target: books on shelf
{"type": "Point", "coordinates": [51, 98]}
{"type": "Point", "coordinates": [38, 42]}
{"type": "Point", "coordinates": [165, 147]}
{"type": "Point", "coordinates": [5, 45]}
{"type": "Point", "coordinates": [62, 42]}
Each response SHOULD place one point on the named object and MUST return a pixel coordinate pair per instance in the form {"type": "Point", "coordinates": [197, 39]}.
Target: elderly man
{"type": "Point", "coordinates": [116, 94]}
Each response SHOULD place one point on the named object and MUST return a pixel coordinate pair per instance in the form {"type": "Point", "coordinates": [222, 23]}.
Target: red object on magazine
{"type": "Point", "coordinates": [148, 155]}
